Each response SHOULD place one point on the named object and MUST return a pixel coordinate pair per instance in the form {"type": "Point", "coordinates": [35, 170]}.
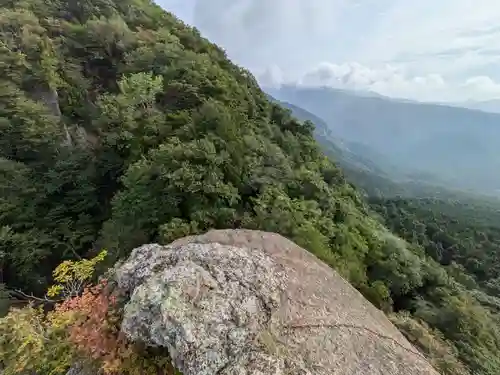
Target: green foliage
{"type": "Point", "coordinates": [177, 228]}
{"type": "Point", "coordinates": [464, 233]}
{"type": "Point", "coordinates": [461, 304]}
{"type": "Point", "coordinates": [29, 343]}
{"type": "Point", "coordinates": [4, 301]}
{"type": "Point", "coordinates": [71, 276]}
{"type": "Point", "coordinates": [441, 353]}
{"type": "Point", "coordinates": [82, 329]}
{"type": "Point", "coordinates": [119, 125]}
{"type": "Point", "coordinates": [31, 339]}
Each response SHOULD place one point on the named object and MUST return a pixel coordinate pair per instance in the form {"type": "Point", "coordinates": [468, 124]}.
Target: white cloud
{"type": "Point", "coordinates": [389, 80]}
{"type": "Point", "coordinates": [272, 76]}
{"type": "Point", "coordinates": [483, 87]}
{"type": "Point", "coordinates": [427, 49]}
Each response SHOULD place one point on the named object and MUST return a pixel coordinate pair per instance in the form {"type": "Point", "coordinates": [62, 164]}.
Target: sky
{"type": "Point", "coordinates": [428, 50]}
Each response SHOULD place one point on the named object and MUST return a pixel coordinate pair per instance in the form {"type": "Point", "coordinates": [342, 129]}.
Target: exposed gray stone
{"type": "Point", "coordinates": [49, 97]}
{"type": "Point", "coordinates": [80, 369]}
{"type": "Point", "coordinates": [239, 302]}
{"type": "Point", "coordinates": [205, 303]}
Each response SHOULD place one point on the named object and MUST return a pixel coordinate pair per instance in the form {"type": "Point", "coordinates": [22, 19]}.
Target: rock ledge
{"type": "Point", "coordinates": [235, 302]}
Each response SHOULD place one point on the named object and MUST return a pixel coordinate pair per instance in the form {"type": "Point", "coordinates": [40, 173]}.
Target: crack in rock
{"type": "Point", "coordinates": [241, 302]}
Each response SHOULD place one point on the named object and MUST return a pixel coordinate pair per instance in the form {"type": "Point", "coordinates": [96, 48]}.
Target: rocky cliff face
{"type": "Point", "coordinates": [249, 302]}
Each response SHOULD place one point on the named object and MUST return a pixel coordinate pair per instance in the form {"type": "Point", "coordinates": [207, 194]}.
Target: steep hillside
{"type": "Point", "coordinates": [149, 134]}
{"type": "Point", "coordinates": [461, 235]}
{"type": "Point", "coordinates": [344, 153]}
{"type": "Point", "coordinates": [120, 126]}
{"type": "Point", "coordinates": [369, 171]}
{"type": "Point", "coordinates": [453, 146]}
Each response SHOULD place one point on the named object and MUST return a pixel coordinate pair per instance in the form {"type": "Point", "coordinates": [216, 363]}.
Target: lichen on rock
{"type": "Point", "coordinates": [240, 302]}
{"type": "Point", "coordinates": [206, 303]}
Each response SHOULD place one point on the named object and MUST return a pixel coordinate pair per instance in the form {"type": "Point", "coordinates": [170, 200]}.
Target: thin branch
{"type": "Point", "coordinates": [75, 253]}
{"type": "Point", "coordinates": [32, 297]}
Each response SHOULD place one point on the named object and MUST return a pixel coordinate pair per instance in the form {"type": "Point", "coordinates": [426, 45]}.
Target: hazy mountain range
{"type": "Point", "coordinates": [486, 106]}
{"type": "Point", "coordinates": [404, 140]}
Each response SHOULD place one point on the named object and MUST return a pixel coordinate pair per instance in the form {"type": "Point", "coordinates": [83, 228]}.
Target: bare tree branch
{"type": "Point", "coordinates": [34, 298]}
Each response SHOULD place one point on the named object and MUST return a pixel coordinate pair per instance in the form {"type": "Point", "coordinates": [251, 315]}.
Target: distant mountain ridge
{"type": "Point", "coordinates": [436, 143]}
{"type": "Point", "coordinates": [347, 154]}
{"type": "Point", "coordinates": [359, 168]}
{"type": "Point", "coordinates": [492, 106]}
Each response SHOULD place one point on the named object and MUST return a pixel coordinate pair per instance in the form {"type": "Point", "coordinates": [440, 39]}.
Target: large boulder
{"type": "Point", "coordinates": [236, 302]}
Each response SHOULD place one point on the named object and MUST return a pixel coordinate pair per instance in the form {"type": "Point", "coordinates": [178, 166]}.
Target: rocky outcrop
{"type": "Point", "coordinates": [50, 98]}
{"type": "Point", "coordinates": [237, 302]}
{"type": "Point", "coordinates": [81, 369]}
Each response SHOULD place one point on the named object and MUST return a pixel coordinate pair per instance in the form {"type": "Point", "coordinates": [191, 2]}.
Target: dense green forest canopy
{"type": "Point", "coordinates": [464, 236]}
{"type": "Point", "coordinates": [120, 125]}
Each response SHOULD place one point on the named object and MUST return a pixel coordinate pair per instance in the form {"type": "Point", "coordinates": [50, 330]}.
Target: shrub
{"type": "Point", "coordinates": [29, 343]}
{"type": "Point", "coordinates": [83, 327]}
{"type": "Point", "coordinates": [440, 352]}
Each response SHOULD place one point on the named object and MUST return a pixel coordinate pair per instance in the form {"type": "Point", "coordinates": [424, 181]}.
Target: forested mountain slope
{"type": "Point", "coordinates": [461, 235]}
{"type": "Point", "coordinates": [119, 126]}
{"type": "Point", "coordinates": [370, 172]}
{"type": "Point", "coordinates": [452, 146]}
{"type": "Point", "coordinates": [344, 153]}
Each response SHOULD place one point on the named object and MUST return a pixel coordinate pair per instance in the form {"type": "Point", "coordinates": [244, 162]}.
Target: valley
{"type": "Point", "coordinates": [453, 226]}
{"type": "Point", "coordinates": [442, 145]}
{"type": "Point", "coordinates": [122, 126]}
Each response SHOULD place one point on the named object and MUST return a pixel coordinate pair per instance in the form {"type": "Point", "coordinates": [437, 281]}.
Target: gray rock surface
{"type": "Point", "coordinates": [81, 369]}
{"type": "Point", "coordinates": [238, 302]}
